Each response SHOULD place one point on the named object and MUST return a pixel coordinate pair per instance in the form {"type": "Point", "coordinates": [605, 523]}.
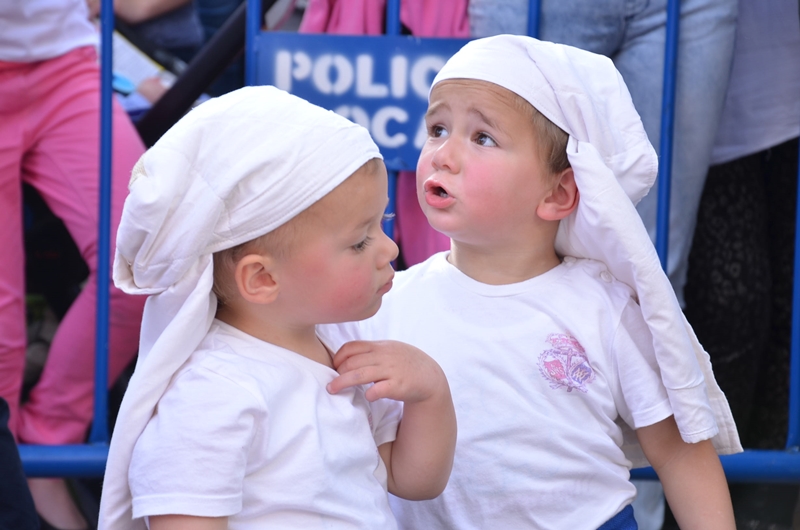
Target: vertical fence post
{"type": "Point", "coordinates": [667, 123]}
{"type": "Point", "coordinates": [392, 28]}
{"type": "Point", "coordinates": [534, 17]}
{"type": "Point", "coordinates": [99, 432]}
{"type": "Point", "coordinates": [252, 27]}
{"type": "Point", "coordinates": [792, 441]}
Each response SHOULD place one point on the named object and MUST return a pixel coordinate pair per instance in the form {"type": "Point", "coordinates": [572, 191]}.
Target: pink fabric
{"type": "Point", "coordinates": [49, 131]}
{"type": "Point", "coordinates": [424, 18]}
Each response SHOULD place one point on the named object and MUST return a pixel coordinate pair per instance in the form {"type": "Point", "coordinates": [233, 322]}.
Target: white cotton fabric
{"type": "Point", "coordinates": [531, 453]}
{"type": "Point", "coordinates": [614, 166]}
{"type": "Point", "coordinates": [269, 446]}
{"type": "Point", "coordinates": [234, 168]}
{"type": "Point", "coordinates": [35, 30]}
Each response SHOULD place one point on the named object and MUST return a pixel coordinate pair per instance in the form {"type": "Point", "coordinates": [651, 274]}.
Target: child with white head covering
{"type": "Point", "coordinates": [559, 333]}
{"type": "Point", "coordinates": [252, 220]}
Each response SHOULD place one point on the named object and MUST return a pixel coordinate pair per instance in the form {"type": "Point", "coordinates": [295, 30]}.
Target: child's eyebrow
{"type": "Point", "coordinates": [436, 107]}
{"type": "Point", "coordinates": [443, 105]}
{"type": "Point", "coordinates": [494, 124]}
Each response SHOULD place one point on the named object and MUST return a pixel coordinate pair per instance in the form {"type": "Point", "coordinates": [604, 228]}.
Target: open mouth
{"type": "Point", "coordinates": [436, 189]}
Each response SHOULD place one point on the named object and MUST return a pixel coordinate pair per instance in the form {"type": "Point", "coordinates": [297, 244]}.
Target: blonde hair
{"type": "Point", "coordinates": [552, 138]}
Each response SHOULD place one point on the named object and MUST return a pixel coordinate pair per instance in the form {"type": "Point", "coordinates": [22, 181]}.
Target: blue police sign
{"type": "Point", "coordinates": [381, 82]}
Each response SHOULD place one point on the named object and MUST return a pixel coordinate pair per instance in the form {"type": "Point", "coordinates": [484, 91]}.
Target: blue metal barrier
{"type": "Point", "coordinates": [89, 459]}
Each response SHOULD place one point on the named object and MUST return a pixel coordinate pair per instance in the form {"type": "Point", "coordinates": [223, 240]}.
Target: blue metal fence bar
{"type": "Point", "coordinates": [252, 28]}
{"type": "Point", "coordinates": [90, 460]}
{"type": "Point", "coordinates": [793, 436]}
{"type": "Point", "coordinates": [393, 17]}
{"type": "Point", "coordinates": [751, 466]}
{"type": "Point", "coordinates": [667, 122]}
{"type": "Point", "coordinates": [392, 28]}
{"type": "Point", "coordinates": [534, 17]}
{"type": "Point", "coordinates": [99, 432]}
{"type": "Point", "coordinates": [64, 460]}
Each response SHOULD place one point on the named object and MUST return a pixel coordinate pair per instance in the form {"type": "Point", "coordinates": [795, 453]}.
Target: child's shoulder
{"type": "Point", "coordinates": [589, 277]}
{"type": "Point", "coordinates": [229, 358]}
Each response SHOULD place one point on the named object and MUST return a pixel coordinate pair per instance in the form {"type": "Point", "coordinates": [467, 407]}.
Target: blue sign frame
{"type": "Point", "coordinates": [381, 84]}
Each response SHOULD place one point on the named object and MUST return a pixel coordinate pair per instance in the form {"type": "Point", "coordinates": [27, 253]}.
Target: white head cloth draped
{"type": "Point", "coordinates": [234, 168]}
{"type": "Point", "coordinates": [615, 165]}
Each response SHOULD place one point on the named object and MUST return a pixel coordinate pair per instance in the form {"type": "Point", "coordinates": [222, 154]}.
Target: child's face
{"type": "Point", "coordinates": [339, 266]}
{"type": "Point", "coordinates": [480, 175]}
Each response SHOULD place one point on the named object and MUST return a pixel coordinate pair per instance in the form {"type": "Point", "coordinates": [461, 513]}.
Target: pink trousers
{"type": "Point", "coordinates": [49, 138]}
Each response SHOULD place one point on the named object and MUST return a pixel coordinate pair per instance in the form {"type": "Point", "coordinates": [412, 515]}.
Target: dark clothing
{"type": "Point", "coordinates": [16, 504]}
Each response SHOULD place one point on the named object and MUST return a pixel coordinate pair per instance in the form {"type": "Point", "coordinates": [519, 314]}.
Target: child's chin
{"type": "Point", "coordinates": [373, 310]}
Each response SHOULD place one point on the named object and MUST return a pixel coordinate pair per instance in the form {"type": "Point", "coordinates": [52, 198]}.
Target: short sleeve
{"type": "Point", "coordinates": [643, 399]}
{"type": "Point", "coordinates": [192, 456]}
{"type": "Point", "coordinates": [386, 415]}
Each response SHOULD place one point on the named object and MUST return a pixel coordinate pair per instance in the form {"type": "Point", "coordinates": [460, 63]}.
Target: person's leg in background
{"type": "Point", "coordinates": [738, 299]}
{"type": "Point", "coordinates": [60, 405]}
{"type": "Point", "coordinates": [707, 30]}
{"type": "Point", "coordinates": [12, 280]}
{"type": "Point", "coordinates": [61, 161]}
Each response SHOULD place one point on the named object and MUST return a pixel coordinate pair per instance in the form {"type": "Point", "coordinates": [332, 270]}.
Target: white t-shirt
{"type": "Point", "coordinates": [247, 430]}
{"type": "Point", "coordinates": [35, 30]}
{"type": "Point", "coordinates": [540, 373]}
{"type": "Point", "coordinates": [762, 106]}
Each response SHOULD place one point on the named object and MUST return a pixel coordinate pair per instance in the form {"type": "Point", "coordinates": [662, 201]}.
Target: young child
{"type": "Point", "coordinates": [255, 218]}
{"type": "Point", "coordinates": [550, 315]}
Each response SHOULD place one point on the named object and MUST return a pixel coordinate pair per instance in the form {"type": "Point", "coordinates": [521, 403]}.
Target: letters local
{"type": "Point", "coordinates": [353, 80]}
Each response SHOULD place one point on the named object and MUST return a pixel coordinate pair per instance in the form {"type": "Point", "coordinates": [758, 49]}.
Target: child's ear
{"type": "Point", "coordinates": [255, 279]}
{"type": "Point", "coordinates": [562, 200]}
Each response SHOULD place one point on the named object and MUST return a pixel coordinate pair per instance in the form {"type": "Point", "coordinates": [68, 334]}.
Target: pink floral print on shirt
{"type": "Point", "coordinates": [566, 364]}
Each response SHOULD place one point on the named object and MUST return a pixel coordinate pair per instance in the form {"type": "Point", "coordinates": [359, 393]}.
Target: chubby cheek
{"type": "Point", "coordinates": [353, 291]}
{"type": "Point", "coordinates": [484, 200]}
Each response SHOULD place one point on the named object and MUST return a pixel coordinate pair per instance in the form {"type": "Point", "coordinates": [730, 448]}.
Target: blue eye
{"type": "Point", "coordinates": [485, 140]}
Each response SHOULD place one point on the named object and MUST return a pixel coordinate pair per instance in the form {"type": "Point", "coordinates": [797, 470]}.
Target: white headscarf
{"type": "Point", "coordinates": [615, 165]}
{"type": "Point", "coordinates": [233, 169]}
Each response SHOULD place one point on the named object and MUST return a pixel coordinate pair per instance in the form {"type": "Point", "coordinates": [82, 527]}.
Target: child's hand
{"type": "Point", "coordinates": [419, 460]}
{"type": "Point", "coordinates": [400, 371]}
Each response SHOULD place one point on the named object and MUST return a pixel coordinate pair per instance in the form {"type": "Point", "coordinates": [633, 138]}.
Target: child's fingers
{"type": "Point", "coordinates": [349, 349]}
{"type": "Point", "coordinates": [360, 376]}
{"type": "Point", "coordinates": [381, 389]}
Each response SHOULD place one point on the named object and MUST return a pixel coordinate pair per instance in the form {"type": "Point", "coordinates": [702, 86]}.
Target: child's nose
{"type": "Point", "coordinates": [445, 157]}
{"type": "Point", "coordinates": [389, 249]}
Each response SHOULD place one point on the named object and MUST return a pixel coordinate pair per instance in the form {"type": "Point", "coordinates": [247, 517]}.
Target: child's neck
{"type": "Point", "coordinates": [302, 340]}
{"type": "Point", "coordinates": [502, 266]}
